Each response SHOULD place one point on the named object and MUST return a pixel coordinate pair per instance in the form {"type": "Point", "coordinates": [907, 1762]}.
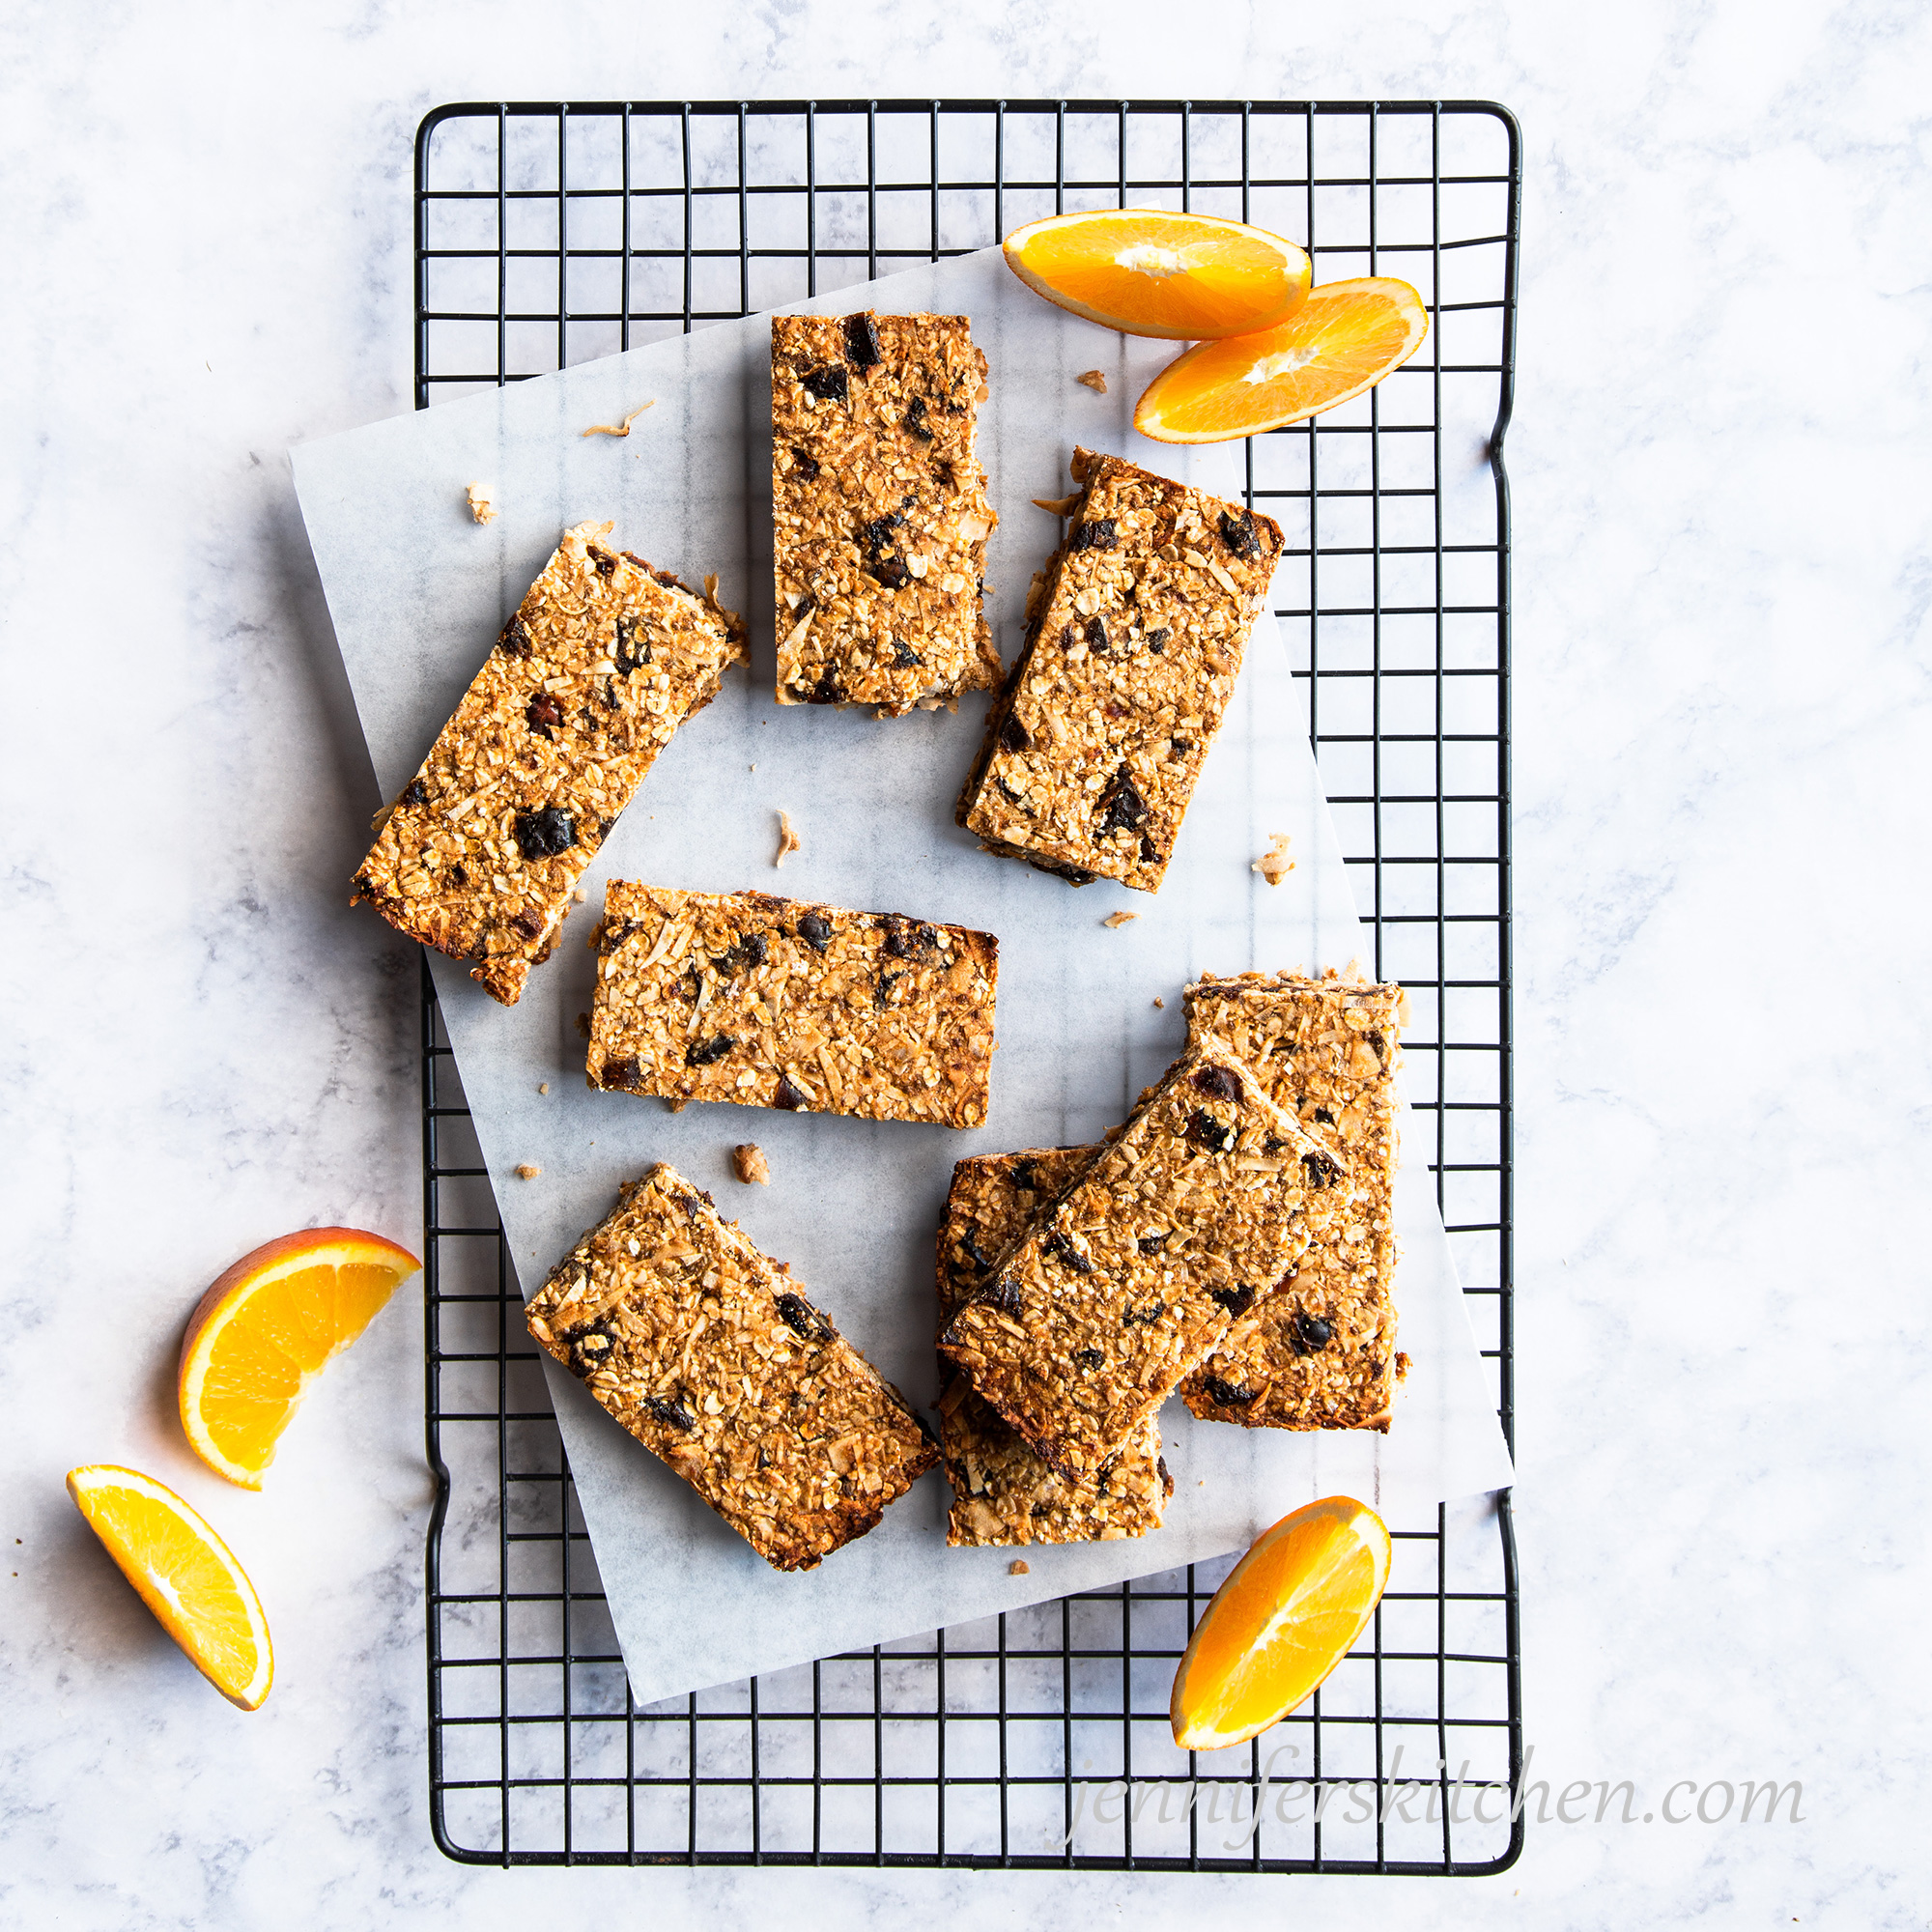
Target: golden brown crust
{"type": "Point", "coordinates": [1321, 1353]}
{"type": "Point", "coordinates": [1177, 1231]}
{"type": "Point", "coordinates": [879, 511]}
{"type": "Point", "coordinates": [604, 658]}
{"type": "Point", "coordinates": [1134, 640]}
{"type": "Point", "coordinates": [704, 1349]}
{"type": "Point", "coordinates": [1002, 1492]}
{"type": "Point", "coordinates": [784, 1003]}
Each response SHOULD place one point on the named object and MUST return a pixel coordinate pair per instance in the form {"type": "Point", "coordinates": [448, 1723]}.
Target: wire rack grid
{"type": "Point", "coordinates": [550, 233]}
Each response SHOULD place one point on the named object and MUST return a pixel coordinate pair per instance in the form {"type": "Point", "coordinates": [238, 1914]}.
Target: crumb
{"type": "Point", "coordinates": [1019, 1567]}
{"type": "Point", "coordinates": [580, 895]}
{"type": "Point", "coordinates": [675, 1106]}
{"type": "Point", "coordinates": [543, 1087]}
{"type": "Point", "coordinates": [789, 839]}
{"type": "Point", "coordinates": [480, 506]}
{"type": "Point", "coordinates": [527, 1171]}
{"type": "Point", "coordinates": [1093, 380]}
{"type": "Point", "coordinates": [748, 1159]}
{"type": "Point", "coordinates": [1274, 865]}
{"type": "Point", "coordinates": [623, 428]}
{"type": "Point", "coordinates": [583, 1025]}
{"type": "Point", "coordinates": [1116, 919]}
{"type": "Point", "coordinates": [1160, 1002]}
{"type": "Point", "coordinates": [1058, 505]}
{"type": "Point", "coordinates": [750, 768]}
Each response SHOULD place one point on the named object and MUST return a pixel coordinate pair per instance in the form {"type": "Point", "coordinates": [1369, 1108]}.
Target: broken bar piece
{"type": "Point", "coordinates": [1120, 1289]}
{"type": "Point", "coordinates": [1001, 1492]}
{"type": "Point", "coordinates": [879, 511]}
{"type": "Point", "coordinates": [604, 658]}
{"type": "Point", "coordinates": [781, 1003]}
{"type": "Point", "coordinates": [1134, 639]}
{"type": "Point", "coordinates": [704, 1349]}
{"type": "Point", "coordinates": [1321, 1353]}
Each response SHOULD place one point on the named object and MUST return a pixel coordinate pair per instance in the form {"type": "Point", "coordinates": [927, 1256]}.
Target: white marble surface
{"type": "Point", "coordinates": [1720, 456]}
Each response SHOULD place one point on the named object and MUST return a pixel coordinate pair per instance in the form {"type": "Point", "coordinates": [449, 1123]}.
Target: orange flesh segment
{"type": "Point", "coordinates": [1150, 271]}
{"type": "Point", "coordinates": [1344, 339]}
{"type": "Point", "coordinates": [1287, 1614]}
{"type": "Point", "coordinates": [185, 1574]}
{"type": "Point", "coordinates": [270, 1333]}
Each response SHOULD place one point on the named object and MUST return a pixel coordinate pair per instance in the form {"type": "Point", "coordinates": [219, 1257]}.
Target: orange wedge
{"type": "Point", "coordinates": [1345, 338]}
{"type": "Point", "coordinates": [1149, 271]}
{"type": "Point", "coordinates": [267, 1328]}
{"type": "Point", "coordinates": [185, 1574]}
{"type": "Point", "coordinates": [1289, 1612]}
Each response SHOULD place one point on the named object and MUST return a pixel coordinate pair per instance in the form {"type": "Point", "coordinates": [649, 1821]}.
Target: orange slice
{"type": "Point", "coordinates": [1345, 338]}
{"type": "Point", "coordinates": [1289, 1612]}
{"type": "Point", "coordinates": [185, 1574]}
{"type": "Point", "coordinates": [1149, 271]}
{"type": "Point", "coordinates": [267, 1328]}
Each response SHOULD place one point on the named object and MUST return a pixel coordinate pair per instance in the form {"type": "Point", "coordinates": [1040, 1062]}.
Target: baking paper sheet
{"type": "Point", "coordinates": [418, 591]}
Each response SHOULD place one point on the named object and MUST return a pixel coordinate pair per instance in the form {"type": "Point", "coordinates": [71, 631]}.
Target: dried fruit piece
{"type": "Point", "coordinates": [545, 833]}
{"type": "Point", "coordinates": [862, 340]}
{"type": "Point", "coordinates": [815, 931]}
{"type": "Point", "coordinates": [790, 1095]}
{"type": "Point", "coordinates": [1230, 1395]}
{"type": "Point", "coordinates": [708, 1052]}
{"type": "Point", "coordinates": [1094, 534]}
{"type": "Point", "coordinates": [1123, 808]}
{"type": "Point", "coordinates": [806, 1323]}
{"type": "Point", "coordinates": [1220, 1081]}
{"type": "Point", "coordinates": [544, 713]}
{"type": "Point", "coordinates": [1311, 1333]}
{"type": "Point", "coordinates": [826, 382]}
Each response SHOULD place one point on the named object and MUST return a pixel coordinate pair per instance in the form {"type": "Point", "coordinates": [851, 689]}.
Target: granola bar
{"type": "Point", "coordinates": [1001, 1492]}
{"type": "Point", "coordinates": [604, 658]}
{"type": "Point", "coordinates": [879, 511]}
{"type": "Point", "coordinates": [783, 1002]}
{"type": "Point", "coordinates": [1134, 639]}
{"type": "Point", "coordinates": [704, 1349]}
{"type": "Point", "coordinates": [1321, 1353]}
{"type": "Point", "coordinates": [1130, 1278]}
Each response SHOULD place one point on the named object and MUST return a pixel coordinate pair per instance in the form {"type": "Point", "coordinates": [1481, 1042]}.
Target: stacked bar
{"type": "Point", "coordinates": [1321, 1353]}
{"type": "Point", "coordinates": [879, 511]}
{"type": "Point", "coordinates": [604, 658]}
{"type": "Point", "coordinates": [1001, 1492]}
{"type": "Point", "coordinates": [1140, 1269]}
{"type": "Point", "coordinates": [704, 1349]}
{"type": "Point", "coordinates": [781, 1003]}
{"type": "Point", "coordinates": [1134, 639]}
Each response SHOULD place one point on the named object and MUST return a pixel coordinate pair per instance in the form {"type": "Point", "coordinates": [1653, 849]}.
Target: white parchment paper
{"type": "Point", "coordinates": [418, 592]}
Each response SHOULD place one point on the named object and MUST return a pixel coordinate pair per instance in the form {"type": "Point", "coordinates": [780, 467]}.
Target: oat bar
{"type": "Point", "coordinates": [1124, 1285]}
{"type": "Point", "coordinates": [704, 1349]}
{"type": "Point", "coordinates": [1134, 639]}
{"type": "Point", "coordinates": [783, 1002]}
{"type": "Point", "coordinates": [1001, 1492]}
{"type": "Point", "coordinates": [1321, 1353]}
{"type": "Point", "coordinates": [879, 511]}
{"type": "Point", "coordinates": [604, 658]}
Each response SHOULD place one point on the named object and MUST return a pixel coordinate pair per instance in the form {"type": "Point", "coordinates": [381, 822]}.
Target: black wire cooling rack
{"type": "Point", "coordinates": [550, 233]}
